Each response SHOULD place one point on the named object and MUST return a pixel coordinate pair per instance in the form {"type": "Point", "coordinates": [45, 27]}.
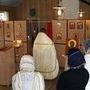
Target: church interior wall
{"type": "Point", "coordinates": [61, 32]}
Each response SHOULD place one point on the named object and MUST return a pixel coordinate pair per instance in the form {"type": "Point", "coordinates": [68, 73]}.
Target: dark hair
{"type": "Point", "coordinates": [43, 30]}
{"type": "Point", "coordinates": [72, 50]}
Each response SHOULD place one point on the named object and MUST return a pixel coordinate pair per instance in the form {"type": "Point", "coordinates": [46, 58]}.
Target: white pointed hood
{"type": "Point", "coordinates": [42, 38]}
{"type": "Point", "coordinates": [45, 56]}
{"type": "Point", "coordinates": [27, 63]}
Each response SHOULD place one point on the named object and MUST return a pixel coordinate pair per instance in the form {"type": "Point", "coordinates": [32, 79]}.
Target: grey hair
{"type": "Point", "coordinates": [87, 44]}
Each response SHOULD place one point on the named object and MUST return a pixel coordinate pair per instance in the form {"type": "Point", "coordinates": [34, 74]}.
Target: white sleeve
{"type": "Point", "coordinates": [13, 83]}
{"type": "Point", "coordinates": [16, 84]}
{"type": "Point", "coordinates": [41, 82]}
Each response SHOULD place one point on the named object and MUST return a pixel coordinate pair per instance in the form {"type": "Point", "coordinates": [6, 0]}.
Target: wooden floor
{"type": "Point", "coordinates": [49, 84]}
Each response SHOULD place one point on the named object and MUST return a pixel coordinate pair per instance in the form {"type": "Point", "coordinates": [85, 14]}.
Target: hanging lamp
{"type": "Point", "coordinates": [59, 8]}
{"type": "Point", "coordinates": [81, 13]}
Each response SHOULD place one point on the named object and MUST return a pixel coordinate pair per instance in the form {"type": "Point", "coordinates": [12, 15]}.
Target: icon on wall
{"type": "Point", "coordinates": [33, 12]}
{"type": "Point", "coordinates": [72, 43]}
{"type": "Point", "coordinates": [8, 34]}
{"type": "Point", "coordinates": [79, 25]}
{"type": "Point", "coordinates": [59, 36]}
{"type": "Point", "coordinates": [71, 25]}
{"type": "Point", "coordinates": [8, 30]}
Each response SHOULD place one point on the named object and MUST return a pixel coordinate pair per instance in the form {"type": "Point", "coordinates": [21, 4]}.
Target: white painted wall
{"type": "Point", "coordinates": [71, 9]}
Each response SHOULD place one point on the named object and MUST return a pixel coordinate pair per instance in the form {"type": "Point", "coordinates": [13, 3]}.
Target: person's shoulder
{"type": "Point", "coordinates": [86, 73]}
{"type": "Point", "coordinates": [14, 77]}
{"type": "Point", "coordinates": [38, 74]}
{"type": "Point", "coordinates": [85, 70]}
{"type": "Point", "coordinates": [64, 73]}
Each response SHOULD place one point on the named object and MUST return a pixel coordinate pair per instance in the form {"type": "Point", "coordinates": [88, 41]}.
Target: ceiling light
{"type": "Point", "coordinates": [59, 8]}
{"type": "Point", "coordinates": [81, 13]}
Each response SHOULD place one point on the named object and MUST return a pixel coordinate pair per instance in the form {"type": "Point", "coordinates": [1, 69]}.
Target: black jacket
{"type": "Point", "coordinates": [73, 79]}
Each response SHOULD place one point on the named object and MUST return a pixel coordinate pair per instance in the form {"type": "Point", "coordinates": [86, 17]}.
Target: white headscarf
{"type": "Point", "coordinates": [26, 78]}
{"type": "Point", "coordinates": [27, 63]}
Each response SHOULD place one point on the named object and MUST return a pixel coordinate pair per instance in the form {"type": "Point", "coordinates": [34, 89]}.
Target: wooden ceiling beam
{"type": "Point", "coordinates": [85, 1]}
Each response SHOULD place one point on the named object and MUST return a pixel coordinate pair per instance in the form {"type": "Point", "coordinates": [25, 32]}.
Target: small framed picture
{"type": "Point", "coordinates": [33, 12]}
{"type": "Point", "coordinates": [79, 25]}
{"type": "Point", "coordinates": [71, 25]}
{"type": "Point", "coordinates": [59, 36]}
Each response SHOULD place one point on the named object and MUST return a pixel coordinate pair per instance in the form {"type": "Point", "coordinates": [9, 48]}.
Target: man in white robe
{"type": "Point", "coordinates": [27, 78]}
{"type": "Point", "coordinates": [45, 56]}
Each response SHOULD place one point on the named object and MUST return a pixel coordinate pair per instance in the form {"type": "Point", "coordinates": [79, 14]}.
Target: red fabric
{"type": "Point", "coordinates": [49, 29]}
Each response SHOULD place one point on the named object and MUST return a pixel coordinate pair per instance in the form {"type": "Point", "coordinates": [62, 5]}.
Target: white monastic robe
{"type": "Point", "coordinates": [26, 78]}
{"type": "Point", "coordinates": [45, 56]}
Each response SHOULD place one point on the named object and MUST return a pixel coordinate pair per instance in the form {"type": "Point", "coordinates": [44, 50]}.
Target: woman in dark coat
{"type": "Point", "coordinates": [77, 76]}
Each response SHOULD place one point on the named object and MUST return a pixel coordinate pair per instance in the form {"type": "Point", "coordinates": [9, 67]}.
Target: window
{"type": "Point", "coordinates": [4, 16]}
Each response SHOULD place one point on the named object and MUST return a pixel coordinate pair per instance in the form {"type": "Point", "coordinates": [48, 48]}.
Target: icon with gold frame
{"type": "Point", "coordinates": [72, 43]}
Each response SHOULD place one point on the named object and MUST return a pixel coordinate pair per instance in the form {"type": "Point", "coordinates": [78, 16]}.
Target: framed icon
{"type": "Point", "coordinates": [59, 36]}
{"type": "Point", "coordinates": [72, 43]}
{"type": "Point", "coordinates": [71, 25]}
{"type": "Point", "coordinates": [79, 25]}
{"type": "Point", "coordinates": [9, 30]}
{"type": "Point", "coordinates": [33, 12]}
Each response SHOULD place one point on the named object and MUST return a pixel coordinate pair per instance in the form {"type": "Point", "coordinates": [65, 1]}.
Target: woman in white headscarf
{"type": "Point", "coordinates": [45, 56]}
{"type": "Point", "coordinates": [27, 78]}
{"type": "Point", "coordinates": [86, 50]}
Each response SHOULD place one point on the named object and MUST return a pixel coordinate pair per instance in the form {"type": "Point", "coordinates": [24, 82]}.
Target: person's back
{"type": "Point", "coordinates": [45, 56]}
{"type": "Point", "coordinates": [73, 79]}
{"type": "Point", "coordinates": [77, 76]}
{"type": "Point", "coordinates": [26, 78]}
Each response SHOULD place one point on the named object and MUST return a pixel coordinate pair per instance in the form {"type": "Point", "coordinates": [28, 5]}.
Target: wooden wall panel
{"type": "Point", "coordinates": [8, 43]}
{"type": "Point", "coordinates": [87, 29]}
{"type": "Point", "coordinates": [7, 66]}
{"type": "Point", "coordinates": [19, 52]}
{"type": "Point", "coordinates": [1, 35]}
{"type": "Point", "coordinates": [20, 30]}
{"type": "Point", "coordinates": [85, 8]}
{"type": "Point", "coordinates": [60, 49]}
{"type": "Point", "coordinates": [76, 28]}
{"type": "Point", "coordinates": [59, 31]}
{"type": "Point", "coordinates": [22, 11]}
{"type": "Point", "coordinates": [9, 30]}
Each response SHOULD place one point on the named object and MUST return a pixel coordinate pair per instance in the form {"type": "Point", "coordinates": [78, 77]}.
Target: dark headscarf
{"type": "Point", "coordinates": [75, 58]}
